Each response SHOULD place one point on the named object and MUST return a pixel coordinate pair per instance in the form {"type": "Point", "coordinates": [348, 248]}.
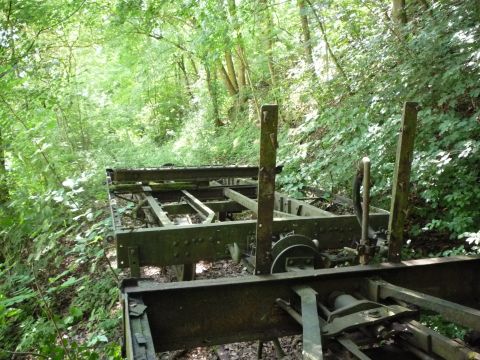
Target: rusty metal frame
{"type": "Point", "coordinates": [164, 243]}
{"type": "Point", "coordinates": [184, 173]}
{"type": "Point", "coordinates": [192, 243]}
{"type": "Point", "coordinates": [209, 312]}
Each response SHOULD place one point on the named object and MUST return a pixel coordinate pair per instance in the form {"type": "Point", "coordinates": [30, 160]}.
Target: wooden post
{"type": "Point", "coordinates": [401, 180]}
{"type": "Point", "coordinates": [266, 188]}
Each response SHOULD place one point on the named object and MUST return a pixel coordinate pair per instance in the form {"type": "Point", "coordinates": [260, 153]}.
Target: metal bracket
{"type": "Point", "coordinates": [134, 261]}
{"type": "Point", "coordinates": [312, 339]}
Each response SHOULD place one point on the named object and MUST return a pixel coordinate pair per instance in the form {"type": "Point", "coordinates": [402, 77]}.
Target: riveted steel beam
{"type": "Point", "coordinates": [184, 173]}
{"type": "Point", "coordinates": [192, 243]}
{"type": "Point", "coordinates": [210, 312]}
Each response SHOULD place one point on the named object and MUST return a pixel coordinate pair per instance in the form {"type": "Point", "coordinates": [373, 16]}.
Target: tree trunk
{"type": "Point", "coordinates": [268, 40]}
{"type": "Point", "coordinates": [228, 83]}
{"type": "Point", "coordinates": [194, 66]}
{"type": "Point", "coordinates": [181, 65]}
{"type": "Point", "coordinates": [231, 70]}
{"type": "Point", "coordinates": [327, 43]}
{"type": "Point", "coordinates": [3, 172]}
{"type": "Point", "coordinates": [212, 90]}
{"type": "Point", "coordinates": [307, 41]}
{"type": "Point", "coordinates": [240, 53]}
{"type": "Point", "coordinates": [399, 14]}
{"type": "Point", "coordinates": [242, 80]}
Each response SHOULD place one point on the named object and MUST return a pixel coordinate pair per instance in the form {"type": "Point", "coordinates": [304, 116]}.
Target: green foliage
{"type": "Point", "coordinates": [431, 61]}
{"type": "Point", "coordinates": [439, 324]}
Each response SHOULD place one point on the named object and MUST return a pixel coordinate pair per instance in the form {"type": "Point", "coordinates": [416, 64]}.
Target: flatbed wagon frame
{"type": "Point", "coordinates": [219, 191]}
{"type": "Point", "coordinates": [365, 311]}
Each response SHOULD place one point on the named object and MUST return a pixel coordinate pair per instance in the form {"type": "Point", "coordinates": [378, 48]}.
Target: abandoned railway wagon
{"type": "Point", "coordinates": [311, 269]}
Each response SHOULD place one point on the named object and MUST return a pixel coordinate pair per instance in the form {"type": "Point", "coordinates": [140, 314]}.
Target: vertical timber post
{"type": "Point", "coordinates": [401, 179]}
{"type": "Point", "coordinates": [266, 188]}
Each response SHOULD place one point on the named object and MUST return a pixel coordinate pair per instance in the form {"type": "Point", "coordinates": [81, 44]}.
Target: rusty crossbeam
{"type": "Point", "coordinates": [251, 204]}
{"type": "Point", "coordinates": [204, 211]}
{"type": "Point", "coordinates": [184, 174]}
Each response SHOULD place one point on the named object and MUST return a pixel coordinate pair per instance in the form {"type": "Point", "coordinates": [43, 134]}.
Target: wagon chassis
{"type": "Point", "coordinates": [291, 246]}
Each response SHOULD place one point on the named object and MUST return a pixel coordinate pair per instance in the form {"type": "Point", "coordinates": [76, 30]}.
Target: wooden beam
{"type": "Point", "coordinates": [266, 188]}
{"type": "Point", "coordinates": [401, 179]}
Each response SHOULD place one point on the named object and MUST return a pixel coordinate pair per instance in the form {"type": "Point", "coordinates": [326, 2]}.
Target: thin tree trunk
{"type": "Point", "coordinates": [425, 4]}
{"type": "Point", "coordinates": [4, 194]}
{"type": "Point", "coordinates": [181, 65]}
{"type": "Point", "coordinates": [267, 38]}
{"type": "Point", "coordinates": [307, 41]}
{"type": "Point", "coordinates": [228, 83]}
{"type": "Point", "coordinates": [231, 70]}
{"type": "Point", "coordinates": [399, 14]}
{"type": "Point", "coordinates": [327, 44]}
{"type": "Point", "coordinates": [242, 80]}
{"type": "Point", "coordinates": [212, 90]}
{"type": "Point", "coordinates": [240, 53]}
{"type": "Point", "coordinates": [194, 66]}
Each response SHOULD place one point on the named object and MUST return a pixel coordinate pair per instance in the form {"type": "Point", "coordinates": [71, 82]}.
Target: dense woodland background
{"type": "Point", "coordinates": [86, 85]}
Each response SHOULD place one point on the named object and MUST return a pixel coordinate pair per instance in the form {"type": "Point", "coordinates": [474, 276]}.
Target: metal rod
{"type": "Point", "coordinates": [266, 188]}
{"type": "Point", "coordinates": [352, 348]}
{"type": "Point", "coordinates": [433, 343]}
{"type": "Point", "coordinates": [365, 209]}
{"type": "Point", "coordinates": [366, 199]}
{"type": "Point", "coordinates": [459, 314]}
